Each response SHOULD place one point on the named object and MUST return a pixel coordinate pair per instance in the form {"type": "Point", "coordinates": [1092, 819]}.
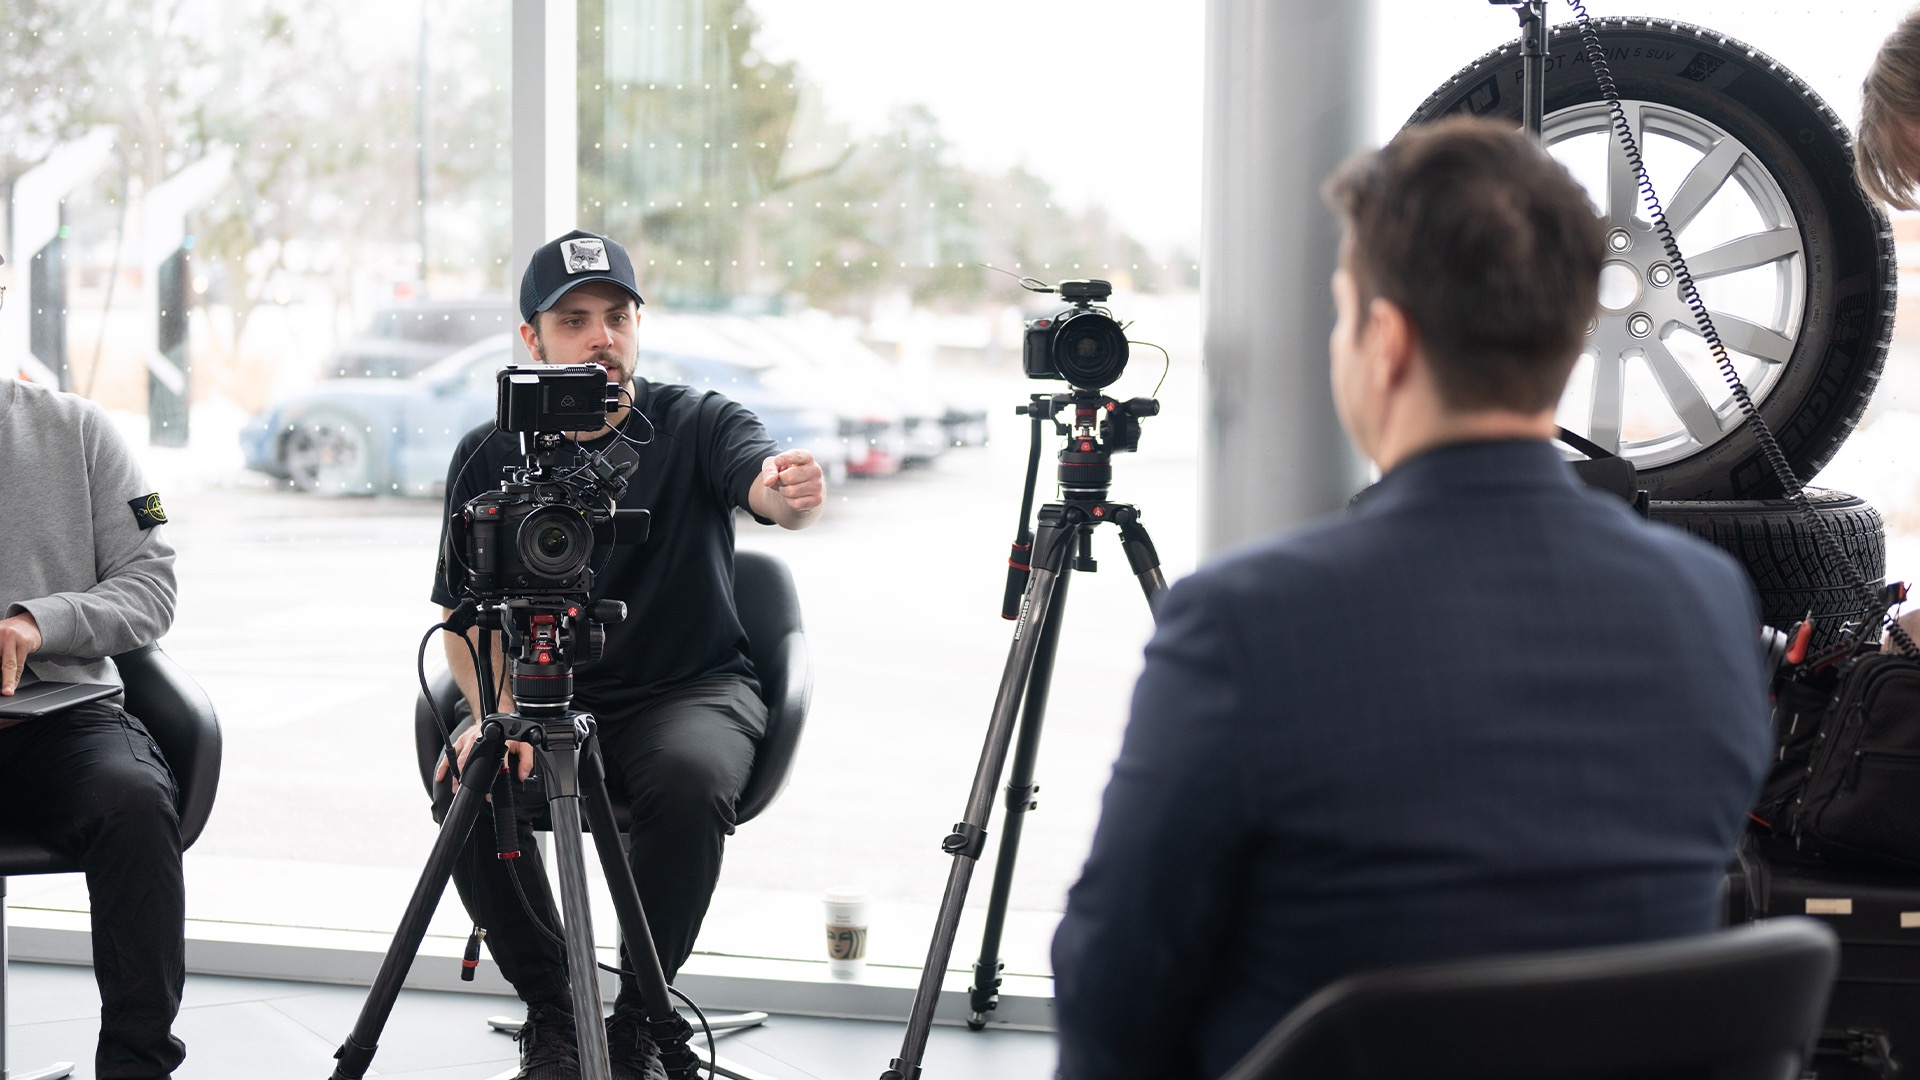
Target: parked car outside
{"type": "Point", "coordinates": [872, 429]}
{"type": "Point", "coordinates": [863, 396]}
{"type": "Point", "coordinates": [357, 436]}
{"type": "Point", "coordinates": [406, 339]}
{"type": "Point", "coordinates": [936, 421]}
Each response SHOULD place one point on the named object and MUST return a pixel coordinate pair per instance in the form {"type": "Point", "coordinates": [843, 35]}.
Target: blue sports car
{"type": "Point", "coordinates": [395, 436]}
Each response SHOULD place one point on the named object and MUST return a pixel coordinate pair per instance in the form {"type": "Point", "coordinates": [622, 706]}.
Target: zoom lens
{"type": "Point", "coordinates": [1089, 349]}
{"type": "Point", "coordinates": [555, 543]}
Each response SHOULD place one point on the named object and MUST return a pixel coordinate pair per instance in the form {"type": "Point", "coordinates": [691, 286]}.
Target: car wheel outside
{"type": "Point", "coordinates": [1792, 576]}
{"type": "Point", "coordinates": [332, 454]}
{"type": "Point", "coordinates": [1795, 265]}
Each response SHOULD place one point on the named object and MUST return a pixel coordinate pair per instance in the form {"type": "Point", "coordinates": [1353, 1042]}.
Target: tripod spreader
{"type": "Point", "coordinates": [1066, 532]}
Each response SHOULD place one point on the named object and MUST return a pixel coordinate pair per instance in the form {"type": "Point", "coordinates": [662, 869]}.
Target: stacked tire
{"type": "Point", "coordinates": [1819, 254]}
{"type": "Point", "coordinates": [1793, 577]}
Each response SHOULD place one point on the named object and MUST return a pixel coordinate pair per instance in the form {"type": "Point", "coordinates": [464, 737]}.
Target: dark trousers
{"type": "Point", "coordinates": [90, 781]}
{"type": "Point", "coordinates": [679, 764]}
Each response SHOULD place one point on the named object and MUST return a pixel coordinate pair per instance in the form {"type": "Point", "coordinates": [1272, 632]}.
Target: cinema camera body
{"type": "Point", "coordinates": [529, 545]}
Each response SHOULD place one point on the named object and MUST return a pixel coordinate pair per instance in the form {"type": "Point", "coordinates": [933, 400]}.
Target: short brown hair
{"type": "Point", "coordinates": [1490, 248]}
{"type": "Point", "coordinates": [1885, 158]}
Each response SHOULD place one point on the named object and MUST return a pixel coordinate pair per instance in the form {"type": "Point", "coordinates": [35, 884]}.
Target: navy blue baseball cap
{"type": "Point", "coordinates": [573, 260]}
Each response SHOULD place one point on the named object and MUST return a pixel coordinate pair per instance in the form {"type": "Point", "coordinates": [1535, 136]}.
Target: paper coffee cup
{"type": "Point", "coordinates": [847, 931]}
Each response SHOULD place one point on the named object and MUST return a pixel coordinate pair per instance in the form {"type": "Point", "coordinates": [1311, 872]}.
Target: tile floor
{"type": "Point", "coordinates": [257, 1029]}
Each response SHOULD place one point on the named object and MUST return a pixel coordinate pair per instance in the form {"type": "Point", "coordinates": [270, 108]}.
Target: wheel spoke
{"type": "Point", "coordinates": [1604, 417]}
{"type": "Point", "coordinates": [1623, 184]}
{"type": "Point", "coordinates": [1688, 403]}
{"type": "Point", "coordinates": [1745, 253]}
{"type": "Point", "coordinates": [1751, 338]}
{"type": "Point", "coordinates": [1707, 177]}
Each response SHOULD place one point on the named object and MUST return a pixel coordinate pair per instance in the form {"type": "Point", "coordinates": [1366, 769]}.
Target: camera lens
{"type": "Point", "coordinates": [554, 542]}
{"type": "Point", "coordinates": [1089, 350]}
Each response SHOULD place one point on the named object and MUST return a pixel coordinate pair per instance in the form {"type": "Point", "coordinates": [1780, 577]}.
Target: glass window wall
{"type": "Point", "coordinates": [826, 226]}
{"type": "Point", "coordinates": [829, 216]}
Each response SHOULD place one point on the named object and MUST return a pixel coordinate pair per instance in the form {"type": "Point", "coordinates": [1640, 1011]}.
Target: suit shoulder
{"type": "Point", "coordinates": [1319, 556]}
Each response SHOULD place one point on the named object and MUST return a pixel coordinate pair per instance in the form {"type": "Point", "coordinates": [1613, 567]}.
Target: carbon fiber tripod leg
{"type": "Point", "coordinates": [968, 839]}
{"type": "Point", "coordinates": [984, 996]}
{"type": "Point", "coordinates": [356, 1053]}
{"type": "Point", "coordinates": [560, 759]}
{"type": "Point", "coordinates": [670, 1033]}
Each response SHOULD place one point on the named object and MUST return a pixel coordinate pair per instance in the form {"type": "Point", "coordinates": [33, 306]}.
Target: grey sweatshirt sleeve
{"type": "Point", "coordinates": [131, 600]}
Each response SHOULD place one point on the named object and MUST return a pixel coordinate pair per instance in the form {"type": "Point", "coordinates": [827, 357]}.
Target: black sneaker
{"type": "Point", "coordinates": [631, 1049]}
{"type": "Point", "coordinates": [549, 1049]}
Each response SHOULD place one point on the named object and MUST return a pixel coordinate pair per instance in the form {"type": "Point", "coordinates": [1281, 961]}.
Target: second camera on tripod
{"type": "Point", "coordinates": [1080, 343]}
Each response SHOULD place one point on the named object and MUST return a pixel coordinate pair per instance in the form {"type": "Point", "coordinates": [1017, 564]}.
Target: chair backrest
{"type": "Point", "coordinates": [769, 609]}
{"type": "Point", "coordinates": [180, 717]}
{"type": "Point", "coordinates": [1741, 1004]}
{"type": "Point", "coordinates": [777, 643]}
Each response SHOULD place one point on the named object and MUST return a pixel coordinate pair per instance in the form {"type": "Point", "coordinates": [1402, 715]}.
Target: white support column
{"type": "Point", "coordinates": [35, 221]}
{"type": "Point", "coordinates": [545, 128]}
{"type": "Point", "coordinates": [163, 215]}
{"type": "Point", "coordinates": [1288, 99]}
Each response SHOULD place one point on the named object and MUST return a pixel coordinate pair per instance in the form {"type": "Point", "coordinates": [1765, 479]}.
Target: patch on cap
{"type": "Point", "coordinates": [585, 255]}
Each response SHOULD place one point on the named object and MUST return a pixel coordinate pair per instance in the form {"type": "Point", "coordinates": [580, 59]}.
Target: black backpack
{"type": "Point", "coordinates": [1845, 784]}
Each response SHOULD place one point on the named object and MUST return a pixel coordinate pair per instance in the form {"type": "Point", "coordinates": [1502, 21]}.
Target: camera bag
{"type": "Point", "coordinates": [1872, 1026]}
{"type": "Point", "coordinates": [1846, 781]}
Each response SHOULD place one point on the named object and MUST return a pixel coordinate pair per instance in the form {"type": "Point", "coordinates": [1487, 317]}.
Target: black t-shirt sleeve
{"type": "Point", "coordinates": [735, 445]}
{"type": "Point", "coordinates": [472, 469]}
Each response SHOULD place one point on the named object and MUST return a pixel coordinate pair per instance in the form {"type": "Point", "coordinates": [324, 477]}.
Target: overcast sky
{"type": "Point", "coordinates": [1105, 100]}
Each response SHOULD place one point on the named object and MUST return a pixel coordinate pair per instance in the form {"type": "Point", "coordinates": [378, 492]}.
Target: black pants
{"type": "Point", "coordinates": [90, 781]}
{"type": "Point", "coordinates": [679, 763]}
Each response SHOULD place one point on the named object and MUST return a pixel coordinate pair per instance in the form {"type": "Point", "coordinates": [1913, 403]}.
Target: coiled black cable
{"type": "Point", "coordinates": [1872, 600]}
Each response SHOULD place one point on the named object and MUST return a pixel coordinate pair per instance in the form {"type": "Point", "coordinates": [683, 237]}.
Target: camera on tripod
{"type": "Point", "coordinates": [1080, 343]}
{"type": "Point", "coordinates": [534, 536]}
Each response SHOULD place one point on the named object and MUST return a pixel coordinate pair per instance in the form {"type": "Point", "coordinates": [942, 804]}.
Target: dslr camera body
{"type": "Point", "coordinates": [1080, 343]}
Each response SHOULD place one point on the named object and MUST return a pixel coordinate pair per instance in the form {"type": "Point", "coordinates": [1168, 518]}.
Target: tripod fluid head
{"type": "Point", "coordinates": [544, 637]}
{"type": "Point", "coordinates": [1101, 427]}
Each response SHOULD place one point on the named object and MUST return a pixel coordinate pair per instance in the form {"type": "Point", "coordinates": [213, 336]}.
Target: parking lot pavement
{"type": "Point", "coordinates": [302, 618]}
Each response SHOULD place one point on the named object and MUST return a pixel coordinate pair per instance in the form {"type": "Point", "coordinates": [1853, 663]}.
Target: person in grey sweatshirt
{"type": "Point", "coordinates": [85, 573]}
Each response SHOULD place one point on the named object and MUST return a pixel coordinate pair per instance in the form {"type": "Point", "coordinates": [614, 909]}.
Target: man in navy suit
{"type": "Point", "coordinates": [1487, 711]}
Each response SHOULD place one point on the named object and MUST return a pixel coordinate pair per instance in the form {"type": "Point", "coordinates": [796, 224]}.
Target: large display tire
{"type": "Point", "coordinates": [1758, 134]}
{"type": "Point", "coordinates": [1770, 538]}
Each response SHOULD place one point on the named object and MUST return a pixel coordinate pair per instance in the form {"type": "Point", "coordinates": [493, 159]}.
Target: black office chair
{"type": "Point", "coordinates": [1741, 1004]}
{"type": "Point", "coordinates": [181, 720]}
{"type": "Point", "coordinates": [769, 609]}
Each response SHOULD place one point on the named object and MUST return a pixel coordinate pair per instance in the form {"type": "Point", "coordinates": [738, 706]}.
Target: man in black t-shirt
{"type": "Point", "coordinates": [678, 708]}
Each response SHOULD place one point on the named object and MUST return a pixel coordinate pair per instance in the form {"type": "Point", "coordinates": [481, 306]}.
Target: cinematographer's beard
{"type": "Point", "coordinates": [617, 370]}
